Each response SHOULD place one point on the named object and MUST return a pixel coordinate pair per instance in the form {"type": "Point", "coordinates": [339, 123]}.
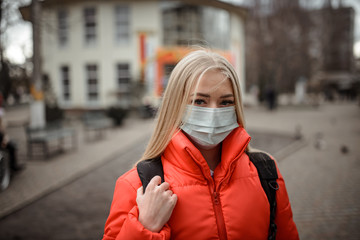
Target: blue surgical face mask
{"type": "Point", "coordinates": [209, 126]}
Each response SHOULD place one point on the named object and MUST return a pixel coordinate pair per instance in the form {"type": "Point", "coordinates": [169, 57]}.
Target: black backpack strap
{"type": "Point", "coordinates": [148, 169]}
{"type": "Point", "coordinates": [265, 166]}
{"type": "Point", "coordinates": [267, 171]}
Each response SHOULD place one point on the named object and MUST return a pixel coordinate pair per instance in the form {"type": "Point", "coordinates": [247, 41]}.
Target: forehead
{"type": "Point", "coordinates": [213, 81]}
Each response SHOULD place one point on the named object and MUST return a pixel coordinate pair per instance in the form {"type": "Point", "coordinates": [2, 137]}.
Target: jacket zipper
{"type": "Point", "coordinates": [218, 212]}
{"type": "Point", "coordinates": [215, 197]}
{"type": "Point", "coordinates": [219, 216]}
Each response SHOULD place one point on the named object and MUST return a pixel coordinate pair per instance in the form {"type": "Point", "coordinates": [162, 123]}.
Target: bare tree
{"type": "Point", "coordinates": [278, 42]}
{"type": "Point", "coordinates": [5, 82]}
{"type": "Point", "coordinates": [8, 19]}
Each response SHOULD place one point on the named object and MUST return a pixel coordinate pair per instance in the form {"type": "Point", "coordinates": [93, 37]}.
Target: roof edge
{"type": "Point", "coordinates": [241, 11]}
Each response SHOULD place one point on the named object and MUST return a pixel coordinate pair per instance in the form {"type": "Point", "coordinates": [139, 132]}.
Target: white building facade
{"type": "Point", "coordinates": [94, 52]}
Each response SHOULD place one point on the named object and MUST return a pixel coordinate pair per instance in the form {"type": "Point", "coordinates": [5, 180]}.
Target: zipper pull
{"type": "Point", "coordinates": [216, 198]}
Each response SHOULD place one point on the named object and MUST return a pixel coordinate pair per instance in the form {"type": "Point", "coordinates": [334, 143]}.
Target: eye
{"type": "Point", "coordinates": [198, 101]}
{"type": "Point", "coordinates": [227, 103]}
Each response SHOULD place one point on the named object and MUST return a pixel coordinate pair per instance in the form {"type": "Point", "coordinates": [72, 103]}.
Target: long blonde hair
{"type": "Point", "coordinates": [183, 78]}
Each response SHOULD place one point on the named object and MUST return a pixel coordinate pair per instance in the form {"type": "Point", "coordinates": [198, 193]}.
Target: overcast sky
{"type": "Point", "coordinates": [19, 38]}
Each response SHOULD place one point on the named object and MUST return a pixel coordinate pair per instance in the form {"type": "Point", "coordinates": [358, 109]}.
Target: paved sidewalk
{"type": "Point", "coordinates": [322, 177]}
{"type": "Point", "coordinates": [43, 176]}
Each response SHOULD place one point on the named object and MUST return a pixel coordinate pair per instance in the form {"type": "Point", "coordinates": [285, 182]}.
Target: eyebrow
{"type": "Point", "coordinates": [208, 96]}
{"type": "Point", "coordinates": [227, 96]}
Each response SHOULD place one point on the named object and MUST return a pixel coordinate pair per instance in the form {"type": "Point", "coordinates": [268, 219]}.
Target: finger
{"type": "Point", "coordinates": [173, 199]}
{"type": "Point", "coordinates": [169, 192]}
{"type": "Point", "coordinates": [164, 186]}
{"type": "Point", "coordinates": [154, 182]}
{"type": "Point", "coordinates": [140, 191]}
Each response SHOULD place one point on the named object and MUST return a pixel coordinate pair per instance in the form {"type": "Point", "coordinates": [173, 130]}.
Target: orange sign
{"type": "Point", "coordinates": [171, 56]}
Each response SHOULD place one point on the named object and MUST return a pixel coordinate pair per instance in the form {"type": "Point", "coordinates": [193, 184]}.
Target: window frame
{"type": "Point", "coordinates": [123, 74]}
{"type": "Point", "coordinates": [90, 25]}
{"type": "Point", "coordinates": [63, 27]}
{"type": "Point", "coordinates": [66, 95]}
{"type": "Point", "coordinates": [122, 22]}
{"type": "Point", "coordinates": [92, 82]}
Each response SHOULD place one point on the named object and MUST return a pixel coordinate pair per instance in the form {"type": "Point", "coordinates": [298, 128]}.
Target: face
{"type": "Point", "coordinates": [213, 91]}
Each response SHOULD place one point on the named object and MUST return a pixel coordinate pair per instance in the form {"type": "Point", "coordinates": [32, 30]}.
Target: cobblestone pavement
{"type": "Point", "coordinates": [75, 211]}
{"type": "Point", "coordinates": [322, 177]}
{"type": "Point", "coordinates": [321, 182]}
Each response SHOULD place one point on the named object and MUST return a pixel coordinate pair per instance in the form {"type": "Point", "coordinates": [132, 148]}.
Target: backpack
{"type": "Point", "coordinates": [265, 166]}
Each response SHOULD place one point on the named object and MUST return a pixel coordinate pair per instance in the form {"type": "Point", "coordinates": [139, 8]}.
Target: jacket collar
{"type": "Point", "coordinates": [184, 155]}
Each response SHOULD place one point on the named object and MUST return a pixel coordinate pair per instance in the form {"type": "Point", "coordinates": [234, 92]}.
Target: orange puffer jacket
{"type": "Point", "coordinates": [231, 205]}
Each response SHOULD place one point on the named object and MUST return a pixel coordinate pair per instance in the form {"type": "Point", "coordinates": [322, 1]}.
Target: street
{"type": "Point", "coordinates": [321, 176]}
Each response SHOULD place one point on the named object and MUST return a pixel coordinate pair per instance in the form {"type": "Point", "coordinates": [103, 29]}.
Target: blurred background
{"type": "Point", "coordinates": [81, 81]}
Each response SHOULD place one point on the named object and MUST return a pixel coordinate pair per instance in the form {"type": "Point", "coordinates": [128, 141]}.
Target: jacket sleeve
{"type": "Point", "coordinates": [286, 228]}
{"type": "Point", "coordinates": [122, 222]}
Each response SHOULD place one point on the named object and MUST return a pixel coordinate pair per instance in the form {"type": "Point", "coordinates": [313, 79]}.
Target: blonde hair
{"type": "Point", "coordinates": [183, 79]}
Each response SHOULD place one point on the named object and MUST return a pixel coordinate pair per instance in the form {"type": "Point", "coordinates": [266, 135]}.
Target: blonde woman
{"type": "Point", "coordinates": [211, 188]}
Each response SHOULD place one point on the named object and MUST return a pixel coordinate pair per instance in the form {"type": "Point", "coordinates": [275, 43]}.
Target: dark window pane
{"type": "Point", "coordinates": [66, 83]}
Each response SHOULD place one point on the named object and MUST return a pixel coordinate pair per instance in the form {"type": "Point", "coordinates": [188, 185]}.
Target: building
{"type": "Point", "coordinates": [104, 53]}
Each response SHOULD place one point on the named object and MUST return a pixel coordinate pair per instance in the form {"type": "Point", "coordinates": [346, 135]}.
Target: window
{"type": "Point", "coordinates": [123, 76]}
{"type": "Point", "coordinates": [181, 25]}
{"type": "Point", "coordinates": [90, 25]}
{"type": "Point", "coordinates": [65, 82]}
{"type": "Point", "coordinates": [122, 24]}
{"type": "Point", "coordinates": [187, 24]}
{"type": "Point", "coordinates": [63, 29]}
{"type": "Point", "coordinates": [92, 82]}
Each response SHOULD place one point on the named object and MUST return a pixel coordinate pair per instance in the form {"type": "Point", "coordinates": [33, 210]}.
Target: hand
{"type": "Point", "coordinates": [155, 205]}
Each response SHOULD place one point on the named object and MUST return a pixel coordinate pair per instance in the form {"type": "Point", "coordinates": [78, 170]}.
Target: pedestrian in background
{"type": "Point", "coordinates": [6, 143]}
{"type": "Point", "coordinates": [271, 97]}
{"type": "Point", "coordinates": [211, 190]}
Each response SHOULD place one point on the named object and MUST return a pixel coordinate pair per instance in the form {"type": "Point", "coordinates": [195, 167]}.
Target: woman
{"type": "Point", "coordinates": [211, 189]}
